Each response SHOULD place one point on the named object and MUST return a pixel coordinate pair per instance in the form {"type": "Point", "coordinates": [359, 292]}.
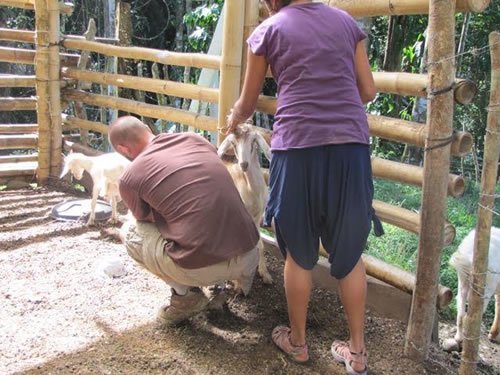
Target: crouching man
{"type": "Point", "coordinates": [191, 227]}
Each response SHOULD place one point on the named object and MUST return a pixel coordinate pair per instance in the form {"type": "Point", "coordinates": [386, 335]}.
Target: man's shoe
{"type": "Point", "coordinates": [182, 307]}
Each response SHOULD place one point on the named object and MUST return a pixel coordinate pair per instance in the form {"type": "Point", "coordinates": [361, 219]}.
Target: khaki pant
{"type": "Point", "coordinates": [146, 246]}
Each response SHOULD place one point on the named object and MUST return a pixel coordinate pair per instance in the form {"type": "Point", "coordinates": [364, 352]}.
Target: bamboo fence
{"type": "Point", "coordinates": [27, 36]}
{"type": "Point", "coordinates": [472, 326]}
{"type": "Point", "coordinates": [435, 183]}
{"type": "Point", "coordinates": [64, 8]}
{"type": "Point", "coordinates": [42, 89]}
{"type": "Point", "coordinates": [18, 128]}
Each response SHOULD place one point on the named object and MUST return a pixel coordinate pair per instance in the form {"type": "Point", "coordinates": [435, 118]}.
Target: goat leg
{"type": "Point", "coordinates": [494, 334]}
{"type": "Point", "coordinates": [95, 192]}
{"type": "Point", "coordinates": [462, 295]}
{"type": "Point", "coordinates": [263, 271]}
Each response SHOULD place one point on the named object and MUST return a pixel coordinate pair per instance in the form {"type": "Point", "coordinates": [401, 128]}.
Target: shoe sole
{"type": "Point", "coordinates": [349, 369]}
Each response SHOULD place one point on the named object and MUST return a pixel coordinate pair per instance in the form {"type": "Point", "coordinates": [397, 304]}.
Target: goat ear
{"type": "Point", "coordinates": [264, 146]}
{"type": "Point", "coordinates": [225, 145]}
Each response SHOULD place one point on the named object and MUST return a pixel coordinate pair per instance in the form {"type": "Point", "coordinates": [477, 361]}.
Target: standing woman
{"type": "Point", "coordinates": [320, 175]}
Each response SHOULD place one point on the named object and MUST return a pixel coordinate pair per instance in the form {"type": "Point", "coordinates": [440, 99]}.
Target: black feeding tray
{"type": "Point", "coordinates": [79, 209]}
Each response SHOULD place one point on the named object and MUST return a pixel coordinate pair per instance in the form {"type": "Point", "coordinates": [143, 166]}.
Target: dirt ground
{"type": "Point", "coordinates": [60, 314]}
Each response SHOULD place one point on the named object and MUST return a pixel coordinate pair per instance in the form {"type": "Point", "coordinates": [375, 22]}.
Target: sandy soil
{"type": "Point", "coordinates": [60, 314]}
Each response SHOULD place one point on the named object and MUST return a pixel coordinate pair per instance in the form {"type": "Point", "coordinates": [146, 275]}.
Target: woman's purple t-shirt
{"type": "Point", "coordinates": [310, 48]}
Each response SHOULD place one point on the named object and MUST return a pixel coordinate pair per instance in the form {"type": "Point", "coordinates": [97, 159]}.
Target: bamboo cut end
{"type": "Point", "coordinates": [445, 296]}
{"type": "Point", "coordinates": [465, 91]}
{"type": "Point", "coordinates": [456, 186]}
{"type": "Point", "coordinates": [462, 144]}
{"type": "Point", "coordinates": [449, 234]}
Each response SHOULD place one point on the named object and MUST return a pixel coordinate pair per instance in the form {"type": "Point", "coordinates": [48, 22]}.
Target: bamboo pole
{"type": "Point", "coordinates": [143, 109]}
{"type": "Point", "coordinates": [230, 62]}
{"type": "Point", "coordinates": [18, 158]}
{"type": "Point", "coordinates": [11, 80]}
{"type": "Point", "coordinates": [409, 84]}
{"type": "Point", "coordinates": [42, 89]}
{"type": "Point", "coordinates": [184, 90]}
{"type": "Point", "coordinates": [363, 8]}
{"type": "Point", "coordinates": [484, 217]}
{"type": "Point", "coordinates": [408, 220]}
{"type": "Point", "coordinates": [18, 141]}
{"type": "Point", "coordinates": [250, 23]}
{"type": "Point", "coordinates": [197, 60]}
{"type": "Point", "coordinates": [73, 122]}
{"type": "Point", "coordinates": [414, 133]}
{"type": "Point", "coordinates": [28, 36]}
{"type": "Point", "coordinates": [436, 166]}
{"type": "Point", "coordinates": [18, 128]}
{"type": "Point", "coordinates": [392, 129]}
{"type": "Point", "coordinates": [26, 56]}
{"type": "Point", "coordinates": [54, 88]}
{"type": "Point", "coordinates": [25, 36]}
{"type": "Point", "coordinates": [412, 174]}
{"type": "Point", "coordinates": [82, 64]}
{"type": "Point", "coordinates": [17, 104]}
{"type": "Point", "coordinates": [65, 8]}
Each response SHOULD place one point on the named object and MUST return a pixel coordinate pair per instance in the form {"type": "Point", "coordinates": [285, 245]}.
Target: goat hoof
{"type": "Point", "coordinates": [451, 345]}
{"type": "Point", "coordinates": [267, 278]}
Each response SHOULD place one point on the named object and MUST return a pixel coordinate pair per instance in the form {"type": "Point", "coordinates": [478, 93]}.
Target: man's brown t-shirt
{"type": "Point", "coordinates": [179, 182]}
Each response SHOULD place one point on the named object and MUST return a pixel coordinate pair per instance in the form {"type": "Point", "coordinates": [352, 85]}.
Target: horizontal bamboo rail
{"type": "Point", "coordinates": [17, 104]}
{"type": "Point", "coordinates": [18, 158]}
{"type": "Point", "coordinates": [388, 128]}
{"type": "Point", "coordinates": [72, 122]}
{"type": "Point", "coordinates": [18, 128]}
{"type": "Point", "coordinates": [197, 60]}
{"type": "Point", "coordinates": [414, 133]}
{"type": "Point", "coordinates": [149, 110]}
{"type": "Point", "coordinates": [11, 80]}
{"type": "Point", "coordinates": [413, 175]}
{"type": "Point", "coordinates": [64, 8]}
{"type": "Point", "coordinates": [401, 279]}
{"type": "Point", "coordinates": [363, 8]}
{"type": "Point", "coordinates": [27, 56]}
{"type": "Point", "coordinates": [407, 219]}
{"type": "Point", "coordinates": [28, 36]}
{"type": "Point", "coordinates": [409, 84]}
{"type": "Point", "coordinates": [184, 90]}
{"type": "Point", "coordinates": [12, 171]}
{"type": "Point", "coordinates": [18, 141]}
{"type": "Point", "coordinates": [78, 147]}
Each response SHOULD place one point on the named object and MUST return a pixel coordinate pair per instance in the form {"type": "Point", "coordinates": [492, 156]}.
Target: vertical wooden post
{"type": "Point", "coordinates": [484, 217]}
{"type": "Point", "coordinates": [42, 89]}
{"type": "Point", "coordinates": [55, 88]}
{"type": "Point", "coordinates": [250, 23]}
{"type": "Point", "coordinates": [123, 29]}
{"type": "Point", "coordinates": [230, 67]}
{"type": "Point", "coordinates": [436, 168]}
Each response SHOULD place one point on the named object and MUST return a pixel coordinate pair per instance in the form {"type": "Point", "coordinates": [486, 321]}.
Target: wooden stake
{"type": "Point", "coordinates": [436, 166]}
{"type": "Point", "coordinates": [484, 218]}
{"type": "Point", "coordinates": [230, 63]}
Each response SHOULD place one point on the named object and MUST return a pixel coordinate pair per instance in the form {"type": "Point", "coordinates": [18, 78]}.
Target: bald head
{"type": "Point", "coordinates": [129, 136]}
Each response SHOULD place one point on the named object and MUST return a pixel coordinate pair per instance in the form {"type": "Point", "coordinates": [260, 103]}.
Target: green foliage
{"type": "Point", "coordinates": [202, 21]}
{"type": "Point", "coordinates": [399, 247]}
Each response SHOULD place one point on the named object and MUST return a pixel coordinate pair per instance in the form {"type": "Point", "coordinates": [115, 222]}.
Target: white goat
{"type": "Point", "coordinates": [461, 260]}
{"type": "Point", "coordinates": [249, 179]}
{"type": "Point", "coordinates": [105, 171]}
